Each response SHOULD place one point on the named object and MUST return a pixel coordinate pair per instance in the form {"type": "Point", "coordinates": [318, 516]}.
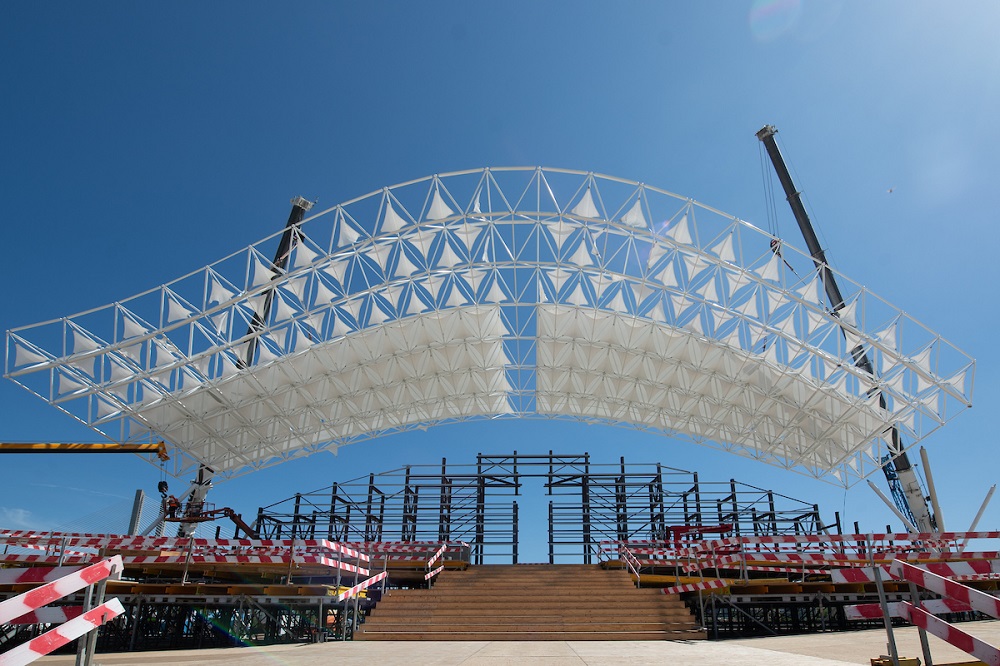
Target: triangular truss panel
{"type": "Point", "coordinates": [496, 293]}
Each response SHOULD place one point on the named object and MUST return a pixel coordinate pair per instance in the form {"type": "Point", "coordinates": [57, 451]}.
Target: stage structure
{"type": "Point", "coordinates": [501, 293]}
{"type": "Point", "coordinates": [591, 503]}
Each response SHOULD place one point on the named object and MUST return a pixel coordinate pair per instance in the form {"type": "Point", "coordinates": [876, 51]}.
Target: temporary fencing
{"type": "Point", "coordinates": [347, 594]}
{"type": "Point", "coordinates": [56, 638]}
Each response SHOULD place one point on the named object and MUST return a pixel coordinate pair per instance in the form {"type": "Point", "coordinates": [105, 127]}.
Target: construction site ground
{"type": "Point", "coordinates": [830, 649]}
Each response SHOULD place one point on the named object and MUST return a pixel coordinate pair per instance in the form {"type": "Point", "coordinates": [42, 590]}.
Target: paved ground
{"type": "Point", "coordinates": [821, 649]}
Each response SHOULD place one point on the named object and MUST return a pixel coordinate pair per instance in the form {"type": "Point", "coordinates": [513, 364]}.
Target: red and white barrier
{"type": "Point", "coordinates": [895, 608]}
{"type": "Point", "coordinates": [694, 587]}
{"type": "Point", "coordinates": [46, 594]}
{"type": "Point", "coordinates": [56, 638]}
{"type": "Point", "coordinates": [34, 574]}
{"type": "Point", "coordinates": [980, 601]}
{"type": "Point", "coordinates": [952, 635]}
{"type": "Point", "coordinates": [364, 585]}
{"type": "Point", "coordinates": [49, 615]}
{"type": "Point", "coordinates": [431, 574]}
{"type": "Point", "coordinates": [437, 555]}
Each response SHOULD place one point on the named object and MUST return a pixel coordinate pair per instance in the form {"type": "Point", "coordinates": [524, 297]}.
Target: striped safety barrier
{"type": "Point", "coordinates": [431, 574]}
{"type": "Point", "coordinates": [34, 575]}
{"type": "Point", "coordinates": [980, 601]}
{"type": "Point", "coordinates": [952, 635]}
{"type": "Point", "coordinates": [694, 587]}
{"type": "Point", "coordinates": [49, 615]}
{"type": "Point", "coordinates": [895, 608]}
{"type": "Point", "coordinates": [182, 558]}
{"type": "Point", "coordinates": [437, 555]}
{"type": "Point", "coordinates": [364, 585]}
{"type": "Point", "coordinates": [61, 635]}
{"type": "Point", "coordinates": [57, 589]}
{"type": "Point", "coordinates": [970, 570]}
{"type": "Point", "coordinates": [122, 542]}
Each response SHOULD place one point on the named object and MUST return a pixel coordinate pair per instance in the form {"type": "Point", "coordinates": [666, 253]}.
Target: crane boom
{"type": "Point", "coordinates": [159, 448]}
{"type": "Point", "coordinates": [906, 486]}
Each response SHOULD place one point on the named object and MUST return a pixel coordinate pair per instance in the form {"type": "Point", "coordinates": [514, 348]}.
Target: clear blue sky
{"type": "Point", "coordinates": [140, 141]}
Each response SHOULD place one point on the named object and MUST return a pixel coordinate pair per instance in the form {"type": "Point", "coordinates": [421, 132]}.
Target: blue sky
{"type": "Point", "coordinates": [143, 141]}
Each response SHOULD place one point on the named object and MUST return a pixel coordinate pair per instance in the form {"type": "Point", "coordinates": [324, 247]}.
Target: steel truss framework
{"type": "Point", "coordinates": [591, 502]}
{"type": "Point", "coordinates": [163, 622]}
{"type": "Point", "coordinates": [501, 293]}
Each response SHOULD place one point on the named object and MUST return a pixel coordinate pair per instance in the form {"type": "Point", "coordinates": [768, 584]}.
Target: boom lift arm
{"type": "Point", "coordinates": [906, 486]}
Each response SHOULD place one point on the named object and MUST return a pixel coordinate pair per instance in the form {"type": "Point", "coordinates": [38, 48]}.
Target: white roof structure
{"type": "Point", "coordinates": [498, 293]}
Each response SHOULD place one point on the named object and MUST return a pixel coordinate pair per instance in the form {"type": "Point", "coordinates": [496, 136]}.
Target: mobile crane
{"type": "Point", "coordinates": [902, 477]}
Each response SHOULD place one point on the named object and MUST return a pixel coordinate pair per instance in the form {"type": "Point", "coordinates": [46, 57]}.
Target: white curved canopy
{"type": "Point", "coordinates": [502, 293]}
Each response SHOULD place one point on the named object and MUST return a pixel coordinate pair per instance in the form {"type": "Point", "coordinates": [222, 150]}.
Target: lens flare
{"type": "Point", "coordinates": [769, 19]}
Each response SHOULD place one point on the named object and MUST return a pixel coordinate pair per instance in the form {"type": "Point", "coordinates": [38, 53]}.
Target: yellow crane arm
{"type": "Point", "coordinates": [159, 448]}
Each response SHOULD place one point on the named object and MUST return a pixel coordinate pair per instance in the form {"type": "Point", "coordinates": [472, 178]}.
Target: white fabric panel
{"type": "Point", "coordinates": [586, 207]}
{"type": "Point", "coordinates": [634, 216]}
{"type": "Point", "coordinates": [787, 326]}
{"type": "Point", "coordinates": [131, 328]}
{"type": "Point", "coordinates": [772, 270]}
{"type": "Point", "coordinates": [262, 274]}
{"type": "Point", "coordinates": [695, 324]}
{"type": "Point", "coordinates": [176, 311]}
{"type": "Point", "coordinates": [82, 343]}
{"type": "Point", "coordinates": [581, 257]}
{"type": "Point", "coordinates": [283, 311]}
{"type": "Point", "coordinates": [339, 328]}
{"type": "Point", "coordinates": [24, 356]}
{"type": "Point", "coordinates": [298, 286]}
{"type": "Point", "coordinates": [377, 315]}
{"type": "Point", "coordinates": [348, 235]}
{"type": "Point", "coordinates": [218, 293]}
{"type": "Point", "coordinates": [708, 291]}
{"type": "Point", "coordinates": [403, 264]}
{"type": "Point", "coordinates": [923, 361]}
{"type": "Point", "coordinates": [887, 336]}
{"type": "Point", "coordinates": [391, 221]}
{"type": "Point", "coordinates": [668, 276]}
{"type": "Point", "coordinates": [422, 240]}
{"type": "Point", "coordinates": [448, 256]}
{"type": "Point", "coordinates": [496, 294]}
{"type": "Point", "coordinates": [958, 381]}
{"type": "Point", "coordinates": [560, 231]}
{"type": "Point", "coordinates": [439, 209]}
{"type": "Point", "coordinates": [304, 255]}
{"type": "Point", "coordinates": [455, 297]}
{"type": "Point", "coordinates": [724, 249]}
{"type": "Point", "coordinates": [315, 321]}
{"type": "Point", "coordinates": [679, 232]}
{"type": "Point", "coordinates": [380, 253]}
{"type": "Point", "coordinates": [694, 264]}
{"type": "Point", "coordinates": [164, 354]}
{"type": "Point", "coordinates": [617, 302]}
{"type": "Point", "coordinates": [280, 337]}
{"type": "Point", "coordinates": [220, 322]}
{"type": "Point", "coordinates": [749, 308]}
{"type": "Point", "coordinates": [577, 297]}
{"type": "Point", "coordinates": [414, 305]}
{"type": "Point", "coordinates": [656, 252]}
{"type": "Point", "coordinates": [69, 385]}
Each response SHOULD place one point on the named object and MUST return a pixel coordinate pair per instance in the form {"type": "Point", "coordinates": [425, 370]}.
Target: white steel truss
{"type": "Point", "coordinates": [497, 293]}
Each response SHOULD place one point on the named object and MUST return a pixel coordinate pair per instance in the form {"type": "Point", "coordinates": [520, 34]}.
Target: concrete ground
{"type": "Point", "coordinates": [831, 649]}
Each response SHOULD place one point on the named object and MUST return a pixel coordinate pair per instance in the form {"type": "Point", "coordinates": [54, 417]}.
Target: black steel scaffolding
{"type": "Point", "coordinates": [590, 502]}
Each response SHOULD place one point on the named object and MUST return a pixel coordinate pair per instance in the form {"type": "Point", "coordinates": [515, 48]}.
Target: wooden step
{"type": "Point", "coordinates": [546, 602]}
{"type": "Point", "coordinates": [532, 636]}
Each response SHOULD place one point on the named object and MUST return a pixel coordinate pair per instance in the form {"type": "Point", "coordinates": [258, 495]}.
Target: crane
{"type": "Point", "coordinates": [159, 448]}
{"type": "Point", "coordinates": [902, 477]}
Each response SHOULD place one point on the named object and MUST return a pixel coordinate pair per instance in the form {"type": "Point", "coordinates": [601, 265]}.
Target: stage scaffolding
{"type": "Point", "coordinates": [589, 502]}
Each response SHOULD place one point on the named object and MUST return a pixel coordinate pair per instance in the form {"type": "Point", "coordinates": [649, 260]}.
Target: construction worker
{"type": "Point", "coordinates": [173, 504]}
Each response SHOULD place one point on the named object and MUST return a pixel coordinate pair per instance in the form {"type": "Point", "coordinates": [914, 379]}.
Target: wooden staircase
{"type": "Point", "coordinates": [530, 603]}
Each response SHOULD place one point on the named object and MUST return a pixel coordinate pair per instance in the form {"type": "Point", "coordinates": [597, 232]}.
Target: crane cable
{"type": "Point", "coordinates": [771, 211]}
